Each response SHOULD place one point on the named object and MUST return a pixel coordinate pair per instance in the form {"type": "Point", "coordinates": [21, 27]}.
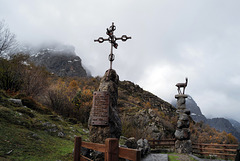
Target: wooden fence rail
{"type": "Point", "coordinates": [162, 143]}
{"type": "Point", "coordinates": [226, 151]}
{"type": "Point", "coordinates": [111, 150]}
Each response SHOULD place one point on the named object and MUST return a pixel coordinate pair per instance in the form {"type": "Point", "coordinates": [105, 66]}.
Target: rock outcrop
{"type": "Point", "coordinates": [133, 90]}
{"type": "Point", "coordinates": [148, 124]}
{"type": "Point", "coordinates": [61, 64]}
{"type": "Point", "coordinates": [57, 58]}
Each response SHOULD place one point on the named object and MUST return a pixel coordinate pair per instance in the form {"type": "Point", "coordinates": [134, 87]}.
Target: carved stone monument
{"type": "Point", "coordinates": [182, 133]}
{"type": "Point", "coordinates": [104, 121]}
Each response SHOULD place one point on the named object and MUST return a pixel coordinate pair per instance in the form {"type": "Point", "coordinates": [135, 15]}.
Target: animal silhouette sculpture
{"type": "Point", "coordinates": [183, 85]}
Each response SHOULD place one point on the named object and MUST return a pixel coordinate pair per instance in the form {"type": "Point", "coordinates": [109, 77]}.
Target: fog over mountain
{"type": "Point", "coordinates": [57, 58]}
{"type": "Point", "coordinates": [171, 40]}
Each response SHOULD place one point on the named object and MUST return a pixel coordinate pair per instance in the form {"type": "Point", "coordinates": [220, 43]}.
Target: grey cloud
{"type": "Point", "coordinates": [170, 40]}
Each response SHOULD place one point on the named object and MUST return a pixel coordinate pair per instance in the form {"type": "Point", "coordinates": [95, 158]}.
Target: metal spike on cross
{"type": "Point", "coordinates": [112, 39]}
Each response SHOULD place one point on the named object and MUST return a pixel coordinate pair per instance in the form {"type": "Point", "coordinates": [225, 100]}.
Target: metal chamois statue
{"type": "Point", "coordinates": [183, 85]}
{"type": "Point", "coordinates": [112, 39]}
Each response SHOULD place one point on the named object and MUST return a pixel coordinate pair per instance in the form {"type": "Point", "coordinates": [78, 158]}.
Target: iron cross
{"type": "Point", "coordinates": [112, 39]}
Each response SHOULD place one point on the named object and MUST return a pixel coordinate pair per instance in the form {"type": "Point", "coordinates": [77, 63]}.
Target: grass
{"type": "Point", "coordinates": [179, 157]}
{"type": "Point", "coordinates": [173, 158]}
{"type": "Point", "coordinates": [29, 135]}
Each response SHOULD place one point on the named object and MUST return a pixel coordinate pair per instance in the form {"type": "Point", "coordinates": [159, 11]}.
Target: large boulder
{"type": "Point", "coordinates": [131, 143]}
{"type": "Point", "coordinates": [144, 147]}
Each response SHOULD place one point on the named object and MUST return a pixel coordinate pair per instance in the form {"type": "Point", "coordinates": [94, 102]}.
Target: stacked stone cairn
{"type": "Point", "coordinates": [183, 143]}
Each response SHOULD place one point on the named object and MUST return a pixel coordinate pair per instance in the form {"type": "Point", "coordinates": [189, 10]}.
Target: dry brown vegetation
{"type": "Point", "coordinates": [72, 98]}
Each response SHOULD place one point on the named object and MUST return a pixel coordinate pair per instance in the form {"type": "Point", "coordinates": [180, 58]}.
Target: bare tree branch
{"type": "Point", "coordinates": [7, 39]}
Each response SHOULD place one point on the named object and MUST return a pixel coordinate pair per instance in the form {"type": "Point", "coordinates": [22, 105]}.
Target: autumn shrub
{"type": "Point", "coordinates": [231, 139]}
{"type": "Point", "coordinates": [18, 74]}
{"type": "Point", "coordinates": [11, 73]}
{"type": "Point", "coordinates": [32, 104]}
{"type": "Point", "coordinates": [60, 103]}
{"type": "Point", "coordinates": [203, 133]}
{"type": "Point", "coordinates": [130, 128]}
{"type": "Point", "coordinates": [69, 100]}
{"type": "Point", "coordinates": [83, 103]}
{"type": "Point", "coordinates": [35, 80]}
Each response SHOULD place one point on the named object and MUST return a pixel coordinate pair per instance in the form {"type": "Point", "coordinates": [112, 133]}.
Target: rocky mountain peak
{"type": "Point", "coordinates": [58, 59]}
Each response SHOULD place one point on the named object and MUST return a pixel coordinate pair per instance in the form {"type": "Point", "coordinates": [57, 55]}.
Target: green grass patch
{"type": "Point", "coordinates": [30, 135]}
{"type": "Point", "coordinates": [179, 157]}
{"type": "Point", "coordinates": [173, 157]}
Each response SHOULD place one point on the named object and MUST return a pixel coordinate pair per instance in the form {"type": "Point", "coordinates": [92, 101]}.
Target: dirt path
{"type": "Point", "coordinates": [156, 157]}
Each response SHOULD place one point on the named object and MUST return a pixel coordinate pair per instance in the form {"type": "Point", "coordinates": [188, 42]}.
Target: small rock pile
{"type": "Point", "coordinates": [141, 144]}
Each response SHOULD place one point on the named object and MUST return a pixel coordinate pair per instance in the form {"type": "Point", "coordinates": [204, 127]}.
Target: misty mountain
{"type": "Point", "coordinates": [223, 124]}
{"type": "Point", "coordinates": [220, 124]}
{"type": "Point", "coordinates": [58, 59]}
{"type": "Point", "coordinates": [235, 124]}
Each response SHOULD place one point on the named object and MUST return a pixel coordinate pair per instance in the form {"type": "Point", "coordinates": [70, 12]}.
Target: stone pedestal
{"type": "Point", "coordinates": [98, 133]}
{"type": "Point", "coordinates": [182, 133]}
{"type": "Point", "coordinates": [183, 146]}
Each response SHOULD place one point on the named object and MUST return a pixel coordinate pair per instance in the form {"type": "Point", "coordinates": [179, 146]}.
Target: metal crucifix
{"type": "Point", "coordinates": [112, 39]}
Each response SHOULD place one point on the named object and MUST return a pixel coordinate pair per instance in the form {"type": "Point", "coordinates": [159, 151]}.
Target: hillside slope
{"type": "Point", "coordinates": [33, 132]}
{"type": "Point", "coordinates": [143, 114]}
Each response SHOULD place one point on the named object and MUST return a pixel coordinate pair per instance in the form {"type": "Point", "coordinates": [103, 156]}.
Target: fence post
{"type": "Point", "coordinates": [138, 156]}
{"type": "Point", "coordinates": [200, 148]}
{"type": "Point", "coordinates": [77, 148]}
{"type": "Point", "coordinates": [225, 152]}
{"type": "Point", "coordinates": [112, 149]}
{"type": "Point", "coordinates": [153, 144]}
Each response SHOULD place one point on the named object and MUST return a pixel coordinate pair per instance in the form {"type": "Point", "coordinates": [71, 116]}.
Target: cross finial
{"type": "Point", "coordinates": [112, 39]}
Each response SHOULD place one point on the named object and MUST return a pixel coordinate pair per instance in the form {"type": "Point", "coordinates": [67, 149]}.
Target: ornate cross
{"type": "Point", "coordinates": [112, 39]}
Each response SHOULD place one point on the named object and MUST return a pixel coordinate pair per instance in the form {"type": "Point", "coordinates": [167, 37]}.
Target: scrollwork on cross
{"type": "Point", "coordinates": [112, 39]}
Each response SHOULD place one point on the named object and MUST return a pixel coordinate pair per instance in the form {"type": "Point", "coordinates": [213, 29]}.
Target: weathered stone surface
{"type": "Point", "coordinates": [182, 124]}
{"type": "Point", "coordinates": [183, 146]}
{"type": "Point", "coordinates": [181, 101]}
{"type": "Point", "coordinates": [183, 117]}
{"type": "Point", "coordinates": [98, 134]}
{"type": "Point", "coordinates": [182, 134]}
{"type": "Point", "coordinates": [17, 102]}
{"type": "Point", "coordinates": [131, 143]}
{"type": "Point", "coordinates": [144, 147]}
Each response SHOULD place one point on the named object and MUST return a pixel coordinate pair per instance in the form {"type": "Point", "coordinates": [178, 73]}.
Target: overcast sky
{"type": "Point", "coordinates": [171, 40]}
